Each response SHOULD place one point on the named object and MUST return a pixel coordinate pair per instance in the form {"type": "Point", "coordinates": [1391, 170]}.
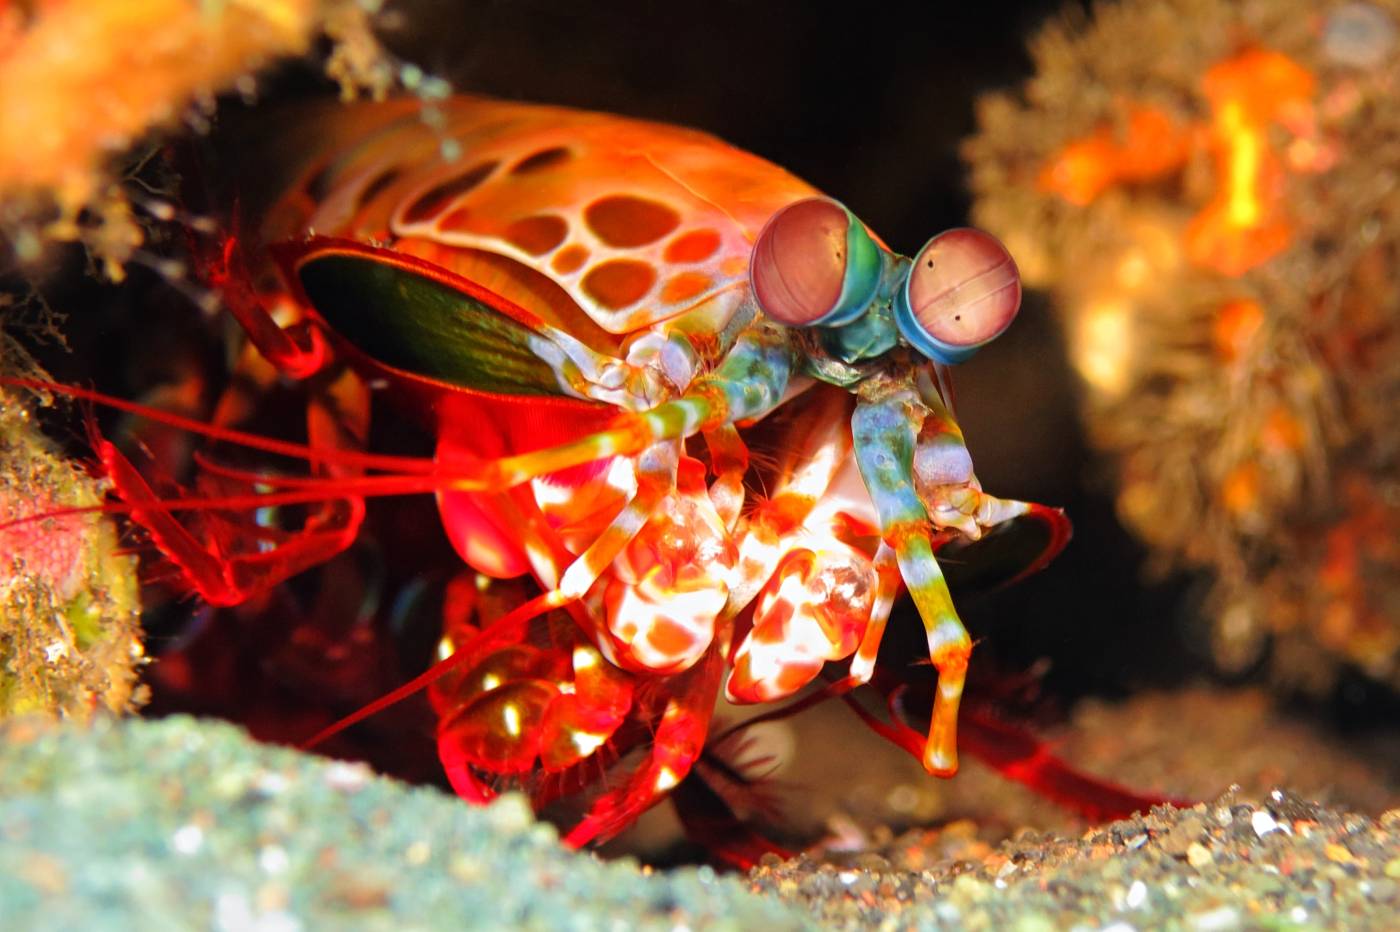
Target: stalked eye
{"type": "Point", "coordinates": [813, 263]}
{"type": "Point", "coordinates": [963, 291]}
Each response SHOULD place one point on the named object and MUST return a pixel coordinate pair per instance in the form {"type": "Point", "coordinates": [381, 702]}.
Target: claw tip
{"type": "Point", "coordinates": [940, 761]}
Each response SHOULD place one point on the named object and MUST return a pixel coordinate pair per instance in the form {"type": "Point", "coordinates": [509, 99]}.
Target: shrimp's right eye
{"type": "Point", "coordinates": [962, 292]}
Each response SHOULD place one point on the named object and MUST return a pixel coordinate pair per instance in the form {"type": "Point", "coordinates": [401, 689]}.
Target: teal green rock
{"type": "Point", "coordinates": [188, 824]}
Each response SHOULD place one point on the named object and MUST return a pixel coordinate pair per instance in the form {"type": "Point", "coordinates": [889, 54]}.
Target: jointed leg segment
{"type": "Point", "coordinates": [884, 444]}
{"type": "Point", "coordinates": [749, 383]}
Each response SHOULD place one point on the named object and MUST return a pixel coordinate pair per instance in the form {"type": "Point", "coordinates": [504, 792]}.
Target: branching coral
{"type": "Point", "coordinates": [1207, 188]}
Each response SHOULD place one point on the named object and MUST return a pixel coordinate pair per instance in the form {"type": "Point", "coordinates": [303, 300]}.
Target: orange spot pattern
{"type": "Point", "coordinates": [684, 286]}
{"type": "Point", "coordinates": [1363, 541]}
{"type": "Point", "coordinates": [695, 246]}
{"type": "Point", "coordinates": [1240, 490]}
{"type": "Point", "coordinates": [617, 283]}
{"type": "Point", "coordinates": [458, 221]}
{"type": "Point", "coordinates": [1243, 226]}
{"type": "Point", "coordinates": [1282, 432]}
{"type": "Point", "coordinates": [440, 195]}
{"type": "Point", "coordinates": [537, 235]}
{"type": "Point", "coordinates": [570, 259]}
{"type": "Point", "coordinates": [624, 221]}
{"type": "Point", "coordinates": [545, 158]}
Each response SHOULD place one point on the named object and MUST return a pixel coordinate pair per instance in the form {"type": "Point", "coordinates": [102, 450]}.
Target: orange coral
{"type": "Point", "coordinates": [1242, 226]}
{"type": "Point", "coordinates": [1205, 186]}
{"type": "Point", "coordinates": [85, 79]}
{"type": "Point", "coordinates": [1152, 145]}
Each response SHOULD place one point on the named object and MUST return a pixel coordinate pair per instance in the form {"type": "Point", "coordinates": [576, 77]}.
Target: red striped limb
{"type": "Point", "coordinates": [1016, 754]}
{"type": "Point", "coordinates": [817, 595]}
{"type": "Point", "coordinates": [298, 349]}
{"type": "Point", "coordinates": [862, 666]}
{"type": "Point", "coordinates": [662, 595]}
{"type": "Point", "coordinates": [228, 555]}
{"type": "Point", "coordinates": [812, 460]}
{"type": "Point", "coordinates": [729, 461]}
{"type": "Point", "coordinates": [544, 701]}
{"type": "Point", "coordinates": [680, 737]}
{"type": "Point", "coordinates": [635, 630]}
{"type": "Point", "coordinates": [210, 566]}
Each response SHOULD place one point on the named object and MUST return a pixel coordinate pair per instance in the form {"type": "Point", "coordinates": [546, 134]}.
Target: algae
{"type": "Point", "coordinates": [70, 640]}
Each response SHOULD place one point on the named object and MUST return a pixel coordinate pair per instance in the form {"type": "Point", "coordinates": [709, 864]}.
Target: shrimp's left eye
{"type": "Point", "coordinates": [963, 291]}
{"type": "Point", "coordinates": [814, 264]}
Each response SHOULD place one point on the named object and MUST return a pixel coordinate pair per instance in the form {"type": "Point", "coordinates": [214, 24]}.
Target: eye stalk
{"type": "Point", "coordinates": [814, 264]}
{"type": "Point", "coordinates": [962, 292]}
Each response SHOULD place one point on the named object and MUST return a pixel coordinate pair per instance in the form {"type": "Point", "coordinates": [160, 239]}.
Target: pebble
{"type": "Point", "coordinates": [1201, 869]}
{"type": "Point", "coordinates": [1183, 835]}
{"type": "Point", "coordinates": [1263, 823]}
{"type": "Point", "coordinates": [1216, 920]}
{"type": "Point", "coordinates": [1338, 853]}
